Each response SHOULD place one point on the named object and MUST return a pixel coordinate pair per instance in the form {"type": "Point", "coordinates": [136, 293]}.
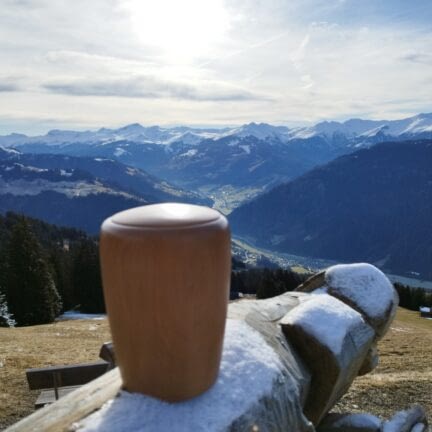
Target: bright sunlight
{"type": "Point", "coordinates": [180, 29]}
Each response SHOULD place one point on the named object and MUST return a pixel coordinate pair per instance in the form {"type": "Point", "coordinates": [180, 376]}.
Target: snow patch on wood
{"type": "Point", "coordinates": [363, 284]}
{"type": "Point", "coordinates": [248, 370]}
{"type": "Point", "coordinates": [327, 319]}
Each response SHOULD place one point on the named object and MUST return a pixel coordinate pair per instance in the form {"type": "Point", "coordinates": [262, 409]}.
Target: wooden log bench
{"type": "Point", "coordinates": [58, 381]}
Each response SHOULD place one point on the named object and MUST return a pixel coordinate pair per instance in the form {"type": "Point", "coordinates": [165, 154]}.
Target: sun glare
{"type": "Point", "coordinates": [179, 28]}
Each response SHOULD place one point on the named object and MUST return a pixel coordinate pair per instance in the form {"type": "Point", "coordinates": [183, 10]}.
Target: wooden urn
{"type": "Point", "coordinates": [166, 275]}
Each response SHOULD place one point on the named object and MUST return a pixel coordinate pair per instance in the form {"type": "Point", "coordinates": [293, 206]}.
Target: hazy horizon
{"type": "Point", "coordinates": [198, 127]}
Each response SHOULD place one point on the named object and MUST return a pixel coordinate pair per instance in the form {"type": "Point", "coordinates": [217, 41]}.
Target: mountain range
{"type": "Point", "coordinates": [353, 191]}
{"type": "Point", "coordinates": [372, 205]}
{"type": "Point", "coordinates": [76, 191]}
{"type": "Point", "coordinates": [230, 165]}
{"type": "Point", "coordinates": [356, 129]}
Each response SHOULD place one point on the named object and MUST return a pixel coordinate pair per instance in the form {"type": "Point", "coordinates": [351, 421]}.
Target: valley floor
{"type": "Point", "coordinates": [404, 376]}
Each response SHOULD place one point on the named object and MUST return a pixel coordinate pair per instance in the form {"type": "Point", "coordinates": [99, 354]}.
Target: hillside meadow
{"type": "Point", "coordinates": [404, 376]}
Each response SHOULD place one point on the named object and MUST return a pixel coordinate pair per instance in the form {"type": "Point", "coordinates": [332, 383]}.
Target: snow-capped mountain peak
{"type": "Point", "coordinates": [133, 128]}
{"type": "Point", "coordinates": [359, 128]}
{"type": "Point", "coordinates": [353, 129]}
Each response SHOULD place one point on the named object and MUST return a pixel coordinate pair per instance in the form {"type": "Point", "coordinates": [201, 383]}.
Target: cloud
{"type": "Point", "coordinates": [298, 55]}
{"type": "Point", "coordinates": [8, 87]}
{"type": "Point", "coordinates": [417, 57]}
{"type": "Point", "coordinates": [307, 81]}
{"type": "Point", "coordinates": [81, 59]}
{"type": "Point", "coordinates": [324, 25]}
{"type": "Point", "coordinates": [21, 3]}
{"type": "Point", "coordinates": [149, 87]}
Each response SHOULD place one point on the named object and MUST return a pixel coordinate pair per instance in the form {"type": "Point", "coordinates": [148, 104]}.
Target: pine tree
{"type": "Point", "coordinates": [60, 265]}
{"type": "Point", "coordinates": [86, 277]}
{"type": "Point", "coordinates": [30, 290]}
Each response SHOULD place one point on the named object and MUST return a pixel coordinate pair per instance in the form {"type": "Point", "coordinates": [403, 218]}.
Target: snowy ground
{"type": "Point", "coordinates": [73, 315]}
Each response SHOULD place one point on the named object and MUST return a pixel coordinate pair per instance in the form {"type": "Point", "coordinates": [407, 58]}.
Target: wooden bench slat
{"type": "Point", "coordinates": [48, 396]}
{"type": "Point", "coordinates": [107, 353]}
{"type": "Point", "coordinates": [40, 378]}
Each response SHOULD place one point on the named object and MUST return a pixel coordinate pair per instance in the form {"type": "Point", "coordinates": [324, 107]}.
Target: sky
{"type": "Point", "coordinates": [86, 64]}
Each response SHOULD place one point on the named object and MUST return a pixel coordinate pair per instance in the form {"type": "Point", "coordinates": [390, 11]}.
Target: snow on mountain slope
{"type": "Point", "coordinates": [260, 131]}
{"type": "Point", "coordinates": [9, 151]}
{"type": "Point", "coordinates": [140, 134]}
{"type": "Point", "coordinates": [69, 188]}
{"type": "Point", "coordinates": [79, 191]}
{"type": "Point", "coordinates": [20, 180]}
{"type": "Point", "coordinates": [133, 132]}
{"type": "Point", "coordinates": [354, 128]}
{"type": "Point", "coordinates": [111, 172]}
{"type": "Point", "coordinates": [66, 197]}
{"type": "Point", "coordinates": [367, 128]}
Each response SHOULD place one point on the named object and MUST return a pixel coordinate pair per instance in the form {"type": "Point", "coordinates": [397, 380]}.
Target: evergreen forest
{"type": "Point", "coordinates": [46, 270]}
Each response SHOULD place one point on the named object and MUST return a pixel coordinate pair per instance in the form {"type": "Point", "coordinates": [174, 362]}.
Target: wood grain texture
{"type": "Point", "coordinates": [166, 290]}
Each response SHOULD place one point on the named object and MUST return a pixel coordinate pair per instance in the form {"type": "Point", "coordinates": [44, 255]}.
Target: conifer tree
{"type": "Point", "coordinates": [30, 290]}
{"type": "Point", "coordinates": [86, 277]}
{"type": "Point", "coordinates": [60, 265]}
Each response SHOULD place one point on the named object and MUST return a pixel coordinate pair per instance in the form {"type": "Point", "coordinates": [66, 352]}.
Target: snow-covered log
{"type": "Point", "coordinates": [262, 383]}
{"type": "Point", "coordinates": [333, 340]}
{"type": "Point", "coordinates": [362, 286]}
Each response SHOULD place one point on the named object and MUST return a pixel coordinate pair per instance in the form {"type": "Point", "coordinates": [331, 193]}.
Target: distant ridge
{"type": "Point", "coordinates": [372, 205]}
{"type": "Point", "coordinates": [353, 128]}
{"type": "Point", "coordinates": [79, 192]}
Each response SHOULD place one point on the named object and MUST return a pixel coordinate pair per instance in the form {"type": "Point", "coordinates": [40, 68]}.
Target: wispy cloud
{"type": "Point", "coordinates": [8, 84]}
{"type": "Point", "coordinates": [308, 82]}
{"type": "Point", "coordinates": [149, 87]}
{"type": "Point", "coordinates": [21, 3]}
{"type": "Point", "coordinates": [82, 59]}
{"type": "Point", "coordinates": [298, 55]}
{"type": "Point", "coordinates": [247, 49]}
{"type": "Point", "coordinates": [8, 88]}
{"type": "Point", "coordinates": [418, 57]}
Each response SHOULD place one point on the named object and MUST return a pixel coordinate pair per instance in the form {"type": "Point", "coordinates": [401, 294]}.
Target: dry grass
{"type": "Point", "coordinates": [64, 342]}
{"type": "Point", "coordinates": [403, 377]}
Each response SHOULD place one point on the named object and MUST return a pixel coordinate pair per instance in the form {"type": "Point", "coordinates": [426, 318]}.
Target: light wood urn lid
{"type": "Point", "coordinates": [167, 216]}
